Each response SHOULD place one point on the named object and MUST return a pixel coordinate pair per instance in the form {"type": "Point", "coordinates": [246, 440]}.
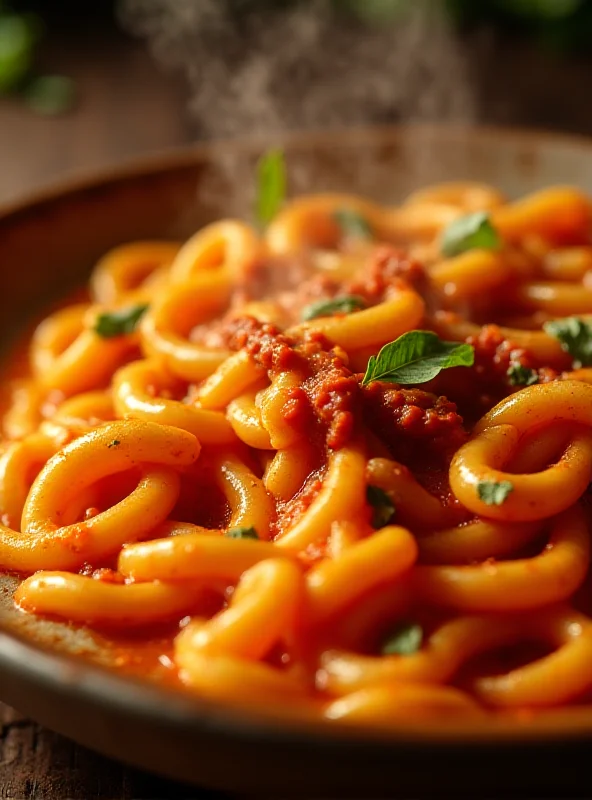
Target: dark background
{"type": "Point", "coordinates": [527, 63]}
{"type": "Point", "coordinates": [517, 62]}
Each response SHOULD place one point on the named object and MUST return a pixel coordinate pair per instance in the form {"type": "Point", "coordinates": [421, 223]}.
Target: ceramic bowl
{"type": "Point", "coordinates": [58, 676]}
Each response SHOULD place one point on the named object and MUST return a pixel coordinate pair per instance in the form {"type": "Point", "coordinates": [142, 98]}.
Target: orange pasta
{"type": "Point", "coordinates": [361, 493]}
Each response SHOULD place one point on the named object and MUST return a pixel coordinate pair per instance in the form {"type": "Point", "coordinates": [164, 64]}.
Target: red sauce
{"type": "Point", "coordinates": [386, 269]}
{"type": "Point", "coordinates": [332, 390]}
{"type": "Point", "coordinates": [420, 428]}
{"type": "Point", "coordinates": [494, 355]}
{"type": "Point", "coordinates": [290, 512]}
{"type": "Point", "coordinates": [406, 418]}
{"type": "Point", "coordinates": [106, 575]}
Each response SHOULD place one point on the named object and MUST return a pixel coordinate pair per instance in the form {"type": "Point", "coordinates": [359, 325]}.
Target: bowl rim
{"type": "Point", "coordinates": [190, 155]}
{"type": "Point", "coordinates": [87, 682]}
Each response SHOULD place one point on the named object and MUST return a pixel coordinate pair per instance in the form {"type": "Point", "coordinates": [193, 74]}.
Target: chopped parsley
{"type": "Point", "coordinates": [471, 232]}
{"type": "Point", "coordinates": [352, 224]}
{"type": "Point", "coordinates": [575, 336]}
{"type": "Point", "coordinates": [521, 376]}
{"type": "Point", "coordinates": [242, 532]}
{"type": "Point", "coordinates": [405, 640]}
{"type": "Point", "coordinates": [383, 508]}
{"type": "Point", "coordinates": [119, 323]}
{"type": "Point", "coordinates": [339, 305]}
{"type": "Point", "coordinates": [494, 493]}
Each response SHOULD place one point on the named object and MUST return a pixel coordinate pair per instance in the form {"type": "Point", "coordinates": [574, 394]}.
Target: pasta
{"type": "Point", "coordinates": [340, 463]}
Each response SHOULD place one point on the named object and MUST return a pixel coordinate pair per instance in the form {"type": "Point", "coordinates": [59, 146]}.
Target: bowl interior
{"type": "Point", "coordinates": [49, 244]}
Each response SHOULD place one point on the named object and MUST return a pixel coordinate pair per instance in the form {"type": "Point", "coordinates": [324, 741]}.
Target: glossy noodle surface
{"type": "Point", "coordinates": [206, 461]}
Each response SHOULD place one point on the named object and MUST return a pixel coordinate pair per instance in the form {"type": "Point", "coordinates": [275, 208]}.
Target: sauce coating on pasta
{"type": "Point", "coordinates": [342, 463]}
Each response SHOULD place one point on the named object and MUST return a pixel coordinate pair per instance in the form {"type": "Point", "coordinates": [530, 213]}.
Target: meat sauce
{"type": "Point", "coordinates": [494, 355]}
{"type": "Point", "coordinates": [420, 428]}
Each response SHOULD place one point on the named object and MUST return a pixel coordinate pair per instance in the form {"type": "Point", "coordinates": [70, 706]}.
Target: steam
{"type": "Point", "coordinates": [263, 67]}
{"type": "Point", "coordinates": [260, 67]}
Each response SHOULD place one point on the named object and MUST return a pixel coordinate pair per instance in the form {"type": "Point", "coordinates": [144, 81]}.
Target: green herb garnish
{"type": "Point", "coordinates": [521, 376]}
{"type": "Point", "coordinates": [575, 336]}
{"type": "Point", "coordinates": [469, 233]}
{"type": "Point", "coordinates": [120, 322]}
{"type": "Point", "coordinates": [271, 185]}
{"type": "Point", "coordinates": [494, 493]}
{"type": "Point", "coordinates": [383, 508]}
{"type": "Point", "coordinates": [405, 640]}
{"type": "Point", "coordinates": [339, 305]}
{"type": "Point", "coordinates": [242, 532]}
{"type": "Point", "coordinates": [352, 224]}
{"type": "Point", "coordinates": [417, 357]}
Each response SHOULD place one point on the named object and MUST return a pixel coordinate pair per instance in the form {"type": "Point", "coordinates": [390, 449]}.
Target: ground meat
{"type": "Point", "coordinates": [272, 277]}
{"type": "Point", "coordinates": [404, 418]}
{"type": "Point", "coordinates": [266, 344]}
{"type": "Point", "coordinates": [334, 394]}
{"type": "Point", "coordinates": [320, 287]}
{"type": "Point", "coordinates": [329, 395]}
{"type": "Point", "coordinates": [476, 389]}
{"type": "Point", "coordinates": [493, 357]}
{"type": "Point", "coordinates": [386, 269]}
{"type": "Point", "coordinates": [214, 333]}
{"type": "Point", "coordinates": [494, 353]}
{"type": "Point", "coordinates": [296, 409]}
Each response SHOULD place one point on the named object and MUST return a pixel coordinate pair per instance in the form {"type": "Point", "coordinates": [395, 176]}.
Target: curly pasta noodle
{"type": "Point", "coordinates": [194, 456]}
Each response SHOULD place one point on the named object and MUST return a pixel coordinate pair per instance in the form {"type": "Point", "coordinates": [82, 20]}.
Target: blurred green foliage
{"type": "Point", "coordinates": [561, 24]}
{"type": "Point", "coordinates": [20, 34]}
{"type": "Point", "coordinates": [18, 37]}
{"type": "Point", "coordinates": [50, 94]}
{"type": "Point", "coordinates": [564, 25]}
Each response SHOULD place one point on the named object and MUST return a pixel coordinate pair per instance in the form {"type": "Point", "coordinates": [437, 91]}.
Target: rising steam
{"type": "Point", "coordinates": [260, 67]}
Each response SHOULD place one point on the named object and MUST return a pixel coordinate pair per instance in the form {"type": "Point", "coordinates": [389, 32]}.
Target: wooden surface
{"type": "Point", "coordinates": [38, 764]}
{"type": "Point", "coordinates": [127, 107]}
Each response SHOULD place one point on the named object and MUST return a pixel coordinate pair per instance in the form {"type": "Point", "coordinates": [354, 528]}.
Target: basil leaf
{"type": "Point", "coordinates": [51, 94]}
{"type": "Point", "coordinates": [521, 376]}
{"type": "Point", "coordinates": [271, 185]}
{"type": "Point", "coordinates": [120, 322]}
{"type": "Point", "coordinates": [242, 532]}
{"type": "Point", "coordinates": [405, 640]}
{"type": "Point", "coordinates": [575, 335]}
{"type": "Point", "coordinates": [469, 233]}
{"type": "Point", "coordinates": [417, 357]}
{"type": "Point", "coordinates": [494, 493]}
{"type": "Point", "coordinates": [352, 224]}
{"type": "Point", "coordinates": [382, 505]}
{"type": "Point", "coordinates": [339, 305]}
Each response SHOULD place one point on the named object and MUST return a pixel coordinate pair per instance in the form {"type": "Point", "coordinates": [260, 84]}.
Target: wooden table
{"type": "Point", "coordinates": [38, 764]}
{"type": "Point", "coordinates": [128, 107]}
